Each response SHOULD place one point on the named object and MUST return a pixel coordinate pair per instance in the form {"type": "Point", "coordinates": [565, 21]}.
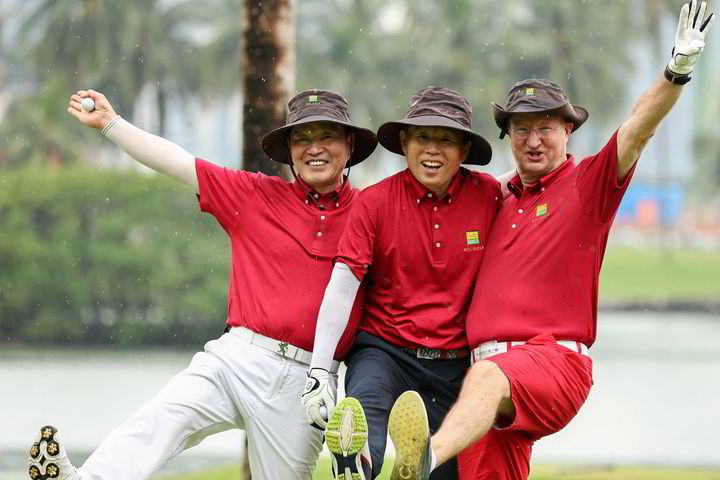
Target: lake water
{"type": "Point", "coordinates": [655, 398]}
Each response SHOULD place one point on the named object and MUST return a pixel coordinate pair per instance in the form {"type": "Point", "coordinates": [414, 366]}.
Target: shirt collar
{"type": "Point", "coordinates": [421, 193]}
{"type": "Point", "coordinates": [516, 186]}
{"type": "Point", "coordinates": [331, 200]}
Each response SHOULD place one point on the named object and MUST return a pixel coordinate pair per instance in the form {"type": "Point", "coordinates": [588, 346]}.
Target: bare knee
{"type": "Point", "coordinates": [486, 378]}
{"type": "Point", "coordinates": [486, 375]}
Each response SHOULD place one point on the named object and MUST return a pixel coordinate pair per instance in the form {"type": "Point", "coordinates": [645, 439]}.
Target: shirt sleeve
{"type": "Point", "coordinates": [355, 248]}
{"type": "Point", "coordinates": [334, 315]}
{"type": "Point", "coordinates": [224, 192]}
{"type": "Point", "coordinates": [597, 184]}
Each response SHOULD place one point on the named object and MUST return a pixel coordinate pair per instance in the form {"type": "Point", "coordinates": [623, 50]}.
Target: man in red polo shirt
{"type": "Point", "coordinates": [533, 314]}
{"type": "Point", "coordinates": [283, 236]}
{"type": "Point", "coordinates": [418, 237]}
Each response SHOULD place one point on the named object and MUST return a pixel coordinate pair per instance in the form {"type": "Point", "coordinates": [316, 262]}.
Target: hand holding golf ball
{"type": "Point", "coordinates": [91, 108]}
{"type": "Point", "coordinates": [88, 104]}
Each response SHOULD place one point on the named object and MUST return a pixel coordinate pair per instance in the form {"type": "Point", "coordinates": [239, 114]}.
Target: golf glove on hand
{"type": "Point", "coordinates": [318, 399]}
{"type": "Point", "coordinates": [689, 41]}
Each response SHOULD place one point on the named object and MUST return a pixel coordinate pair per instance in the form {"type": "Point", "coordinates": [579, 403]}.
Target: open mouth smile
{"type": "Point", "coordinates": [534, 155]}
{"type": "Point", "coordinates": [317, 163]}
{"type": "Point", "coordinates": [431, 165]}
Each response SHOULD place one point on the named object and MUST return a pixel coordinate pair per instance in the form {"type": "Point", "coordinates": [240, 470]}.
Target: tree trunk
{"type": "Point", "coordinates": [269, 77]}
{"type": "Point", "coordinates": [162, 110]}
{"type": "Point", "coordinates": [269, 73]}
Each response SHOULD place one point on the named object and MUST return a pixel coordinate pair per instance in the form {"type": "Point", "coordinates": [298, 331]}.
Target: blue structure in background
{"type": "Point", "coordinates": [669, 201]}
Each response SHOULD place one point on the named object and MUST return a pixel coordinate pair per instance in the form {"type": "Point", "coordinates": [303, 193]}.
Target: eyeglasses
{"type": "Point", "coordinates": [523, 133]}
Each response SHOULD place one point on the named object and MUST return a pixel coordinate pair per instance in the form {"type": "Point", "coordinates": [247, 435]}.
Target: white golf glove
{"type": "Point", "coordinates": [689, 41]}
{"type": "Point", "coordinates": [318, 399]}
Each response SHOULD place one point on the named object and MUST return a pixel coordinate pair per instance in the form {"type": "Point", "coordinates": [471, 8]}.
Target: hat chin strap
{"type": "Point", "coordinates": [310, 195]}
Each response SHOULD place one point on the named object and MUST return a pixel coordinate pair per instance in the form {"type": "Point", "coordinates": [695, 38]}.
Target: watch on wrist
{"type": "Point", "coordinates": [675, 78]}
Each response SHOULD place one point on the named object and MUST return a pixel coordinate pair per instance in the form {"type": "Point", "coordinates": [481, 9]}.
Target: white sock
{"type": "Point", "coordinates": [433, 459]}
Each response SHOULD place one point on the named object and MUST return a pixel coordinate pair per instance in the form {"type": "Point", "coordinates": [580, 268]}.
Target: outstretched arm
{"type": "Point", "coordinates": [319, 396]}
{"type": "Point", "coordinates": [155, 152]}
{"type": "Point", "coordinates": [656, 102]}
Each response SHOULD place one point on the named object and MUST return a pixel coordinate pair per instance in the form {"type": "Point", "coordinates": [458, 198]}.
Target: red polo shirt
{"type": "Point", "coordinates": [282, 248]}
{"type": "Point", "coordinates": [421, 254]}
{"type": "Point", "coordinates": [543, 257]}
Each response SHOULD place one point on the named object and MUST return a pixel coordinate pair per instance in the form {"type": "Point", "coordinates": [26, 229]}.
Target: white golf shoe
{"type": "Point", "coordinates": [48, 459]}
{"type": "Point", "coordinates": [346, 437]}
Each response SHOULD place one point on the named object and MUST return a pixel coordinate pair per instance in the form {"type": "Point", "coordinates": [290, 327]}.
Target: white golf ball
{"type": "Point", "coordinates": [323, 412]}
{"type": "Point", "coordinates": [88, 104]}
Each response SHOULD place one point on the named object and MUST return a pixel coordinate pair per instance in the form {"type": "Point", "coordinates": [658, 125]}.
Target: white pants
{"type": "Point", "coordinates": [232, 384]}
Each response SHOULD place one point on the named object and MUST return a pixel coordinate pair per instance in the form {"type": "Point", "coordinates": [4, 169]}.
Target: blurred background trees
{"type": "Point", "coordinates": [98, 257]}
{"type": "Point", "coordinates": [154, 56]}
{"type": "Point", "coordinates": [376, 52]}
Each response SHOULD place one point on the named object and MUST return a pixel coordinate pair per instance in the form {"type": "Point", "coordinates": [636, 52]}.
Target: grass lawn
{"type": "Point", "coordinates": [654, 275]}
{"type": "Point", "coordinates": [541, 472]}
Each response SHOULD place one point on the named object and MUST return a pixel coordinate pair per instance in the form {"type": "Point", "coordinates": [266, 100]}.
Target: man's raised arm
{"type": "Point", "coordinates": [155, 152]}
{"type": "Point", "coordinates": [656, 102]}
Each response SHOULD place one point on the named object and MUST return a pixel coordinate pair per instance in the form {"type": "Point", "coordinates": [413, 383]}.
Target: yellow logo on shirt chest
{"type": "Point", "coordinates": [541, 210]}
{"type": "Point", "coordinates": [472, 237]}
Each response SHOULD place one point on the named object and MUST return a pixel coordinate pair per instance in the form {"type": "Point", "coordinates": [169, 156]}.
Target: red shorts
{"type": "Point", "coordinates": [548, 383]}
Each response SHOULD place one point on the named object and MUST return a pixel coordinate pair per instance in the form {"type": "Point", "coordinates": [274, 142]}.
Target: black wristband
{"type": "Point", "coordinates": [675, 78]}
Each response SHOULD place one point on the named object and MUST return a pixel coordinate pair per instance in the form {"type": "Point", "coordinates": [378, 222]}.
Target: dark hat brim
{"type": "Point", "coordinates": [275, 145]}
{"type": "Point", "coordinates": [574, 114]}
{"type": "Point", "coordinates": [389, 136]}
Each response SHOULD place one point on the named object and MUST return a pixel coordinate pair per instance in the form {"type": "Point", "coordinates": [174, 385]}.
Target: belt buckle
{"type": "Point", "coordinates": [427, 353]}
{"type": "Point", "coordinates": [452, 354]}
{"type": "Point", "coordinates": [283, 348]}
{"type": "Point", "coordinates": [491, 348]}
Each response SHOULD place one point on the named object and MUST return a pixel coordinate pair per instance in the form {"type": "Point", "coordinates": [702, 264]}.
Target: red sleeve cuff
{"type": "Point", "coordinates": [358, 270]}
{"type": "Point", "coordinates": [202, 178]}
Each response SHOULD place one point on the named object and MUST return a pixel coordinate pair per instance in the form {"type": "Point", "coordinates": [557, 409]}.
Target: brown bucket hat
{"type": "Point", "coordinates": [437, 107]}
{"type": "Point", "coordinates": [538, 95]}
{"type": "Point", "coordinates": [317, 106]}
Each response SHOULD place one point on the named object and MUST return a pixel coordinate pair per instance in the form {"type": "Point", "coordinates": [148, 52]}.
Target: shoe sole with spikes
{"type": "Point", "coordinates": [45, 456]}
{"type": "Point", "coordinates": [409, 431]}
{"type": "Point", "coordinates": [346, 435]}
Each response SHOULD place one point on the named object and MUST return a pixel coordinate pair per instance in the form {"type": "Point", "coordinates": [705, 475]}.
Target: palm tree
{"type": "Point", "coordinates": [479, 47]}
{"type": "Point", "coordinates": [36, 132]}
{"type": "Point", "coordinates": [118, 47]}
{"type": "Point", "coordinates": [269, 75]}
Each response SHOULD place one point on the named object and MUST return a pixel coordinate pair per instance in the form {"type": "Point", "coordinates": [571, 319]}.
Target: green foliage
{"type": "Point", "coordinates": [478, 47]}
{"type": "Point", "coordinates": [115, 47]}
{"type": "Point", "coordinates": [118, 48]}
{"type": "Point", "coordinates": [376, 52]}
{"type": "Point", "coordinates": [38, 131]}
{"type": "Point", "coordinates": [107, 257]}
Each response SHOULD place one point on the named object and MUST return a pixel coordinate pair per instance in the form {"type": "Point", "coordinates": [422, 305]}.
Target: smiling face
{"type": "Point", "coordinates": [319, 152]}
{"type": "Point", "coordinates": [539, 144]}
{"type": "Point", "coordinates": [434, 155]}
